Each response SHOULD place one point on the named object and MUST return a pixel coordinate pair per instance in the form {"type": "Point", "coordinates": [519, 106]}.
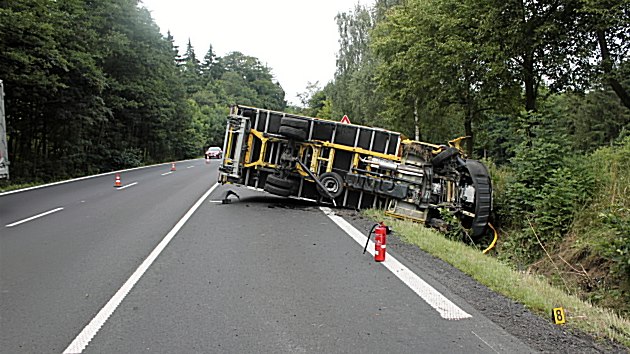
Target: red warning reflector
{"type": "Point", "coordinates": [345, 120]}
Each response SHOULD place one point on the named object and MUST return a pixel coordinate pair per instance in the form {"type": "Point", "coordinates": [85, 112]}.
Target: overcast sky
{"type": "Point", "coordinates": [297, 39]}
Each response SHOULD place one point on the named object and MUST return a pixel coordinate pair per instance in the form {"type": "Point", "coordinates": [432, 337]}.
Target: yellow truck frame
{"type": "Point", "coordinates": [354, 166]}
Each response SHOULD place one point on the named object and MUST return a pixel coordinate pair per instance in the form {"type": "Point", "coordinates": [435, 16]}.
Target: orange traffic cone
{"type": "Point", "coordinates": [173, 166]}
{"type": "Point", "coordinates": [117, 182]}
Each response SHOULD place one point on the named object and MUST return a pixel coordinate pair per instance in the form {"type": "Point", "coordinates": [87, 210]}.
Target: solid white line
{"type": "Point", "coordinates": [166, 173]}
{"type": "Point", "coordinates": [83, 339]}
{"type": "Point", "coordinates": [434, 298]}
{"type": "Point", "coordinates": [88, 177]}
{"type": "Point", "coordinates": [34, 217]}
{"type": "Point", "coordinates": [128, 185]}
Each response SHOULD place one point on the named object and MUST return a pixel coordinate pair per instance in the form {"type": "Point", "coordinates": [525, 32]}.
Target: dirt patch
{"type": "Point", "coordinates": [586, 274]}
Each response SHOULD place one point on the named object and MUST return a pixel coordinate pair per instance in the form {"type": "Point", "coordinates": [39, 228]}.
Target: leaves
{"type": "Point", "coordinates": [541, 86]}
{"type": "Point", "coordinates": [93, 85]}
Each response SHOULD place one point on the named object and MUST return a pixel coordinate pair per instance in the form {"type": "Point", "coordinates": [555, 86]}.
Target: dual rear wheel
{"type": "Point", "coordinates": [280, 186]}
{"type": "Point", "coordinates": [331, 182]}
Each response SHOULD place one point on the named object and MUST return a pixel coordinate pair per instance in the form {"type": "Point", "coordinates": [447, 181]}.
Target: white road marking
{"type": "Point", "coordinates": [166, 173]}
{"type": "Point", "coordinates": [34, 217]}
{"type": "Point", "coordinates": [127, 185]}
{"type": "Point", "coordinates": [190, 166]}
{"type": "Point", "coordinates": [86, 177]}
{"type": "Point", "coordinates": [83, 339]}
{"type": "Point", "coordinates": [446, 308]}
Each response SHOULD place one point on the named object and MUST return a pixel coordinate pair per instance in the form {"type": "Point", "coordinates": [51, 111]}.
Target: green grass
{"type": "Point", "coordinates": [6, 187]}
{"type": "Point", "coordinates": [533, 291]}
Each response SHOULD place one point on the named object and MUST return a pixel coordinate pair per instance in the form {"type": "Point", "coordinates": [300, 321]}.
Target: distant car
{"type": "Point", "coordinates": [214, 152]}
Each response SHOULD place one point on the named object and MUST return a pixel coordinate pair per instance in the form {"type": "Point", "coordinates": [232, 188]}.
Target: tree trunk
{"type": "Point", "coordinates": [530, 83]}
{"type": "Point", "coordinates": [415, 119]}
{"type": "Point", "coordinates": [468, 129]}
{"type": "Point", "coordinates": [607, 66]}
{"type": "Point", "coordinates": [44, 137]}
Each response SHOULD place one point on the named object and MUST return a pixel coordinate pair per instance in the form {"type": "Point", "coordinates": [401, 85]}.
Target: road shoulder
{"type": "Point", "coordinates": [513, 317]}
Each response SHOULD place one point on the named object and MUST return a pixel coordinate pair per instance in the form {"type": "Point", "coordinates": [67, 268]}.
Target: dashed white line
{"type": "Point", "coordinates": [85, 177]}
{"type": "Point", "coordinates": [190, 166]}
{"type": "Point", "coordinates": [127, 185]}
{"type": "Point", "coordinates": [34, 217]}
{"type": "Point", "coordinates": [83, 339]}
{"type": "Point", "coordinates": [166, 173]}
{"type": "Point", "coordinates": [445, 307]}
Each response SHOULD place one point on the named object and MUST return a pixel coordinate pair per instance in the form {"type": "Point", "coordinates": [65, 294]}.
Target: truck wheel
{"type": "Point", "coordinates": [294, 123]}
{"type": "Point", "coordinates": [292, 133]}
{"type": "Point", "coordinates": [482, 206]}
{"type": "Point", "coordinates": [283, 192]}
{"type": "Point", "coordinates": [280, 182]}
{"type": "Point", "coordinates": [440, 158]}
{"type": "Point", "coordinates": [333, 183]}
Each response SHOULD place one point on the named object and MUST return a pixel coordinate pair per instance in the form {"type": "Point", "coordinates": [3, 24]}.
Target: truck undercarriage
{"type": "Point", "coordinates": [354, 166]}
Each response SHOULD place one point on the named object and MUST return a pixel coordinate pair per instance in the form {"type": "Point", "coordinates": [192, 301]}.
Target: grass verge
{"type": "Point", "coordinates": [6, 187]}
{"type": "Point", "coordinates": [533, 291]}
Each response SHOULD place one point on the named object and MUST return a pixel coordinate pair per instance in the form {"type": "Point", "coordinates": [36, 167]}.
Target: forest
{"type": "Point", "coordinates": [541, 88]}
{"type": "Point", "coordinates": [92, 86]}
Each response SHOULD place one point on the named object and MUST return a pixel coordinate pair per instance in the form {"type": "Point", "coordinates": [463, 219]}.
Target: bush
{"type": "Point", "coordinates": [128, 158]}
{"type": "Point", "coordinates": [617, 248]}
{"type": "Point", "coordinates": [560, 198]}
{"type": "Point", "coordinates": [613, 203]}
{"type": "Point", "coordinates": [542, 190]}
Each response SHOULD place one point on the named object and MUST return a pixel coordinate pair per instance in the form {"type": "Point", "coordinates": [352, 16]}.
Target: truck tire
{"type": "Point", "coordinates": [292, 133]}
{"type": "Point", "coordinates": [280, 182]}
{"type": "Point", "coordinates": [294, 123]}
{"type": "Point", "coordinates": [333, 183]}
{"type": "Point", "coordinates": [283, 192]}
{"type": "Point", "coordinates": [483, 197]}
{"type": "Point", "coordinates": [440, 158]}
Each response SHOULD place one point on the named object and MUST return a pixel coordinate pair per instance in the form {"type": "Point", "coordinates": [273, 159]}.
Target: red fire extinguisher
{"type": "Point", "coordinates": [380, 241]}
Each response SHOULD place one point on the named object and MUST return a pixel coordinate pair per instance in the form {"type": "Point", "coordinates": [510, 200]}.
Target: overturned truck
{"type": "Point", "coordinates": [355, 166]}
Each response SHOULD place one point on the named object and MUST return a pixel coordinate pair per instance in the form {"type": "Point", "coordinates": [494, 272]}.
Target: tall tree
{"type": "Point", "coordinates": [93, 85]}
{"type": "Point", "coordinates": [539, 41]}
{"type": "Point", "coordinates": [247, 81]}
{"type": "Point", "coordinates": [191, 69]}
{"type": "Point", "coordinates": [607, 25]}
{"type": "Point", "coordinates": [53, 84]}
{"type": "Point", "coordinates": [211, 68]}
{"type": "Point", "coordinates": [353, 92]}
{"type": "Point", "coordinates": [434, 60]}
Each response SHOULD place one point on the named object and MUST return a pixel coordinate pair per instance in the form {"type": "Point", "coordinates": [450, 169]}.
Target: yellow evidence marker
{"type": "Point", "coordinates": [558, 316]}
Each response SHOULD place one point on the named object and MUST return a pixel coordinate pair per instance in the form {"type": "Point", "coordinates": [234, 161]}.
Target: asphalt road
{"type": "Point", "coordinates": [261, 274]}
